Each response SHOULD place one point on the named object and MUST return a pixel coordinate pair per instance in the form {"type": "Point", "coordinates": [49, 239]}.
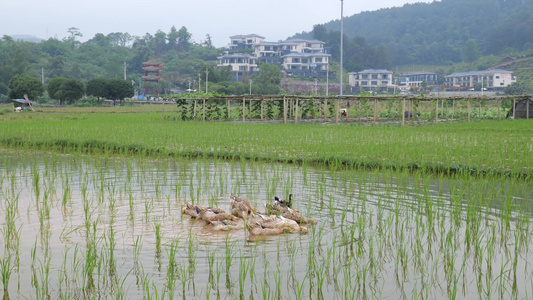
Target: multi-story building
{"type": "Point", "coordinates": [371, 79]}
{"type": "Point", "coordinates": [418, 78]}
{"type": "Point", "coordinates": [241, 65]}
{"type": "Point", "coordinates": [240, 42]}
{"type": "Point", "coordinates": [305, 64]}
{"type": "Point", "coordinates": [491, 79]}
{"type": "Point", "coordinates": [297, 57]}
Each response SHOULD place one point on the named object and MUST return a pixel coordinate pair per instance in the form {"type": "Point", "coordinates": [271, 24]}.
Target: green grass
{"type": "Point", "coordinates": [478, 148]}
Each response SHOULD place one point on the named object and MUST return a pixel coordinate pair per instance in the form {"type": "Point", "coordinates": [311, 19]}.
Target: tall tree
{"type": "Point", "coordinates": [64, 89]}
{"type": "Point", "coordinates": [119, 89]}
{"type": "Point", "coordinates": [22, 84]}
{"type": "Point", "coordinates": [184, 39]}
{"type": "Point", "coordinates": [172, 38]}
{"type": "Point", "coordinates": [269, 79]}
{"type": "Point", "coordinates": [471, 51]}
{"type": "Point", "coordinates": [97, 87]}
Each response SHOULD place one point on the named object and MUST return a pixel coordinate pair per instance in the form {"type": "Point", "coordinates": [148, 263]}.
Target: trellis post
{"type": "Point", "coordinates": [243, 109]}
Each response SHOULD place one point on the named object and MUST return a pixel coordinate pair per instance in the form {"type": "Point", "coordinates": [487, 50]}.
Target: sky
{"type": "Point", "coordinates": [273, 19]}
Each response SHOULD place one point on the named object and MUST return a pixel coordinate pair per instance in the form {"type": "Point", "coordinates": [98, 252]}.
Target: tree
{"type": "Point", "coordinates": [119, 89]}
{"type": "Point", "coordinates": [184, 39]}
{"type": "Point", "coordinates": [64, 89]}
{"type": "Point", "coordinates": [172, 38]}
{"type": "Point", "coordinates": [320, 33]}
{"type": "Point", "coordinates": [269, 79]}
{"type": "Point", "coordinates": [470, 51]}
{"type": "Point", "coordinates": [22, 84]}
{"type": "Point", "coordinates": [97, 87]}
{"type": "Point", "coordinates": [516, 88]}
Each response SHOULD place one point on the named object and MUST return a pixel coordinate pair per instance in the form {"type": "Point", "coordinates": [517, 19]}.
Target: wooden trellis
{"type": "Point", "coordinates": [291, 104]}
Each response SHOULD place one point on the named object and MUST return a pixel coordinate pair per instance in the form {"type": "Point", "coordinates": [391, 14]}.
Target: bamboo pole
{"type": "Point", "coordinates": [229, 110]}
{"type": "Point", "coordinates": [499, 110]}
{"type": "Point", "coordinates": [296, 111]}
{"type": "Point", "coordinates": [375, 110]}
{"type": "Point", "coordinates": [203, 111]}
{"type": "Point", "coordinates": [514, 108]}
{"type": "Point", "coordinates": [468, 109]}
{"type": "Point", "coordinates": [195, 107]}
{"type": "Point", "coordinates": [262, 102]}
{"type": "Point", "coordinates": [325, 109]}
{"type": "Point", "coordinates": [437, 113]}
{"type": "Point", "coordinates": [284, 110]}
{"type": "Point", "coordinates": [403, 113]}
{"type": "Point", "coordinates": [243, 109]}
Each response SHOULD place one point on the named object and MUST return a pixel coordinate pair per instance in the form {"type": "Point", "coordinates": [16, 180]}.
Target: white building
{"type": "Point", "coordinates": [371, 78]}
{"type": "Point", "coordinates": [491, 79]}
{"type": "Point", "coordinates": [247, 41]}
{"type": "Point", "coordinates": [299, 64]}
{"type": "Point", "coordinates": [298, 57]}
{"type": "Point", "coordinates": [240, 64]}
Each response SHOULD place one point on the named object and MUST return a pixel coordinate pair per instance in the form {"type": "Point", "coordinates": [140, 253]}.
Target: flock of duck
{"type": "Point", "coordinates": [279, 217]}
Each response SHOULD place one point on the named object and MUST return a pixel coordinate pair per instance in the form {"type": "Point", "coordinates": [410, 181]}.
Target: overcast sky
{"type": "Point", "coordinates": [273, 19]}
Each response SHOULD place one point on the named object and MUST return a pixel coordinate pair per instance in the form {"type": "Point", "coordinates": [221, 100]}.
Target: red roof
{"type": "Point", "coordinates": [152, 62]}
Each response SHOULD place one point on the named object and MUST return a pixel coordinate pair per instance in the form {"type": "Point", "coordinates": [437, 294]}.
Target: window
{"type": "Point", "coordinates": [304, 60]}
{"type": "Point", "coordinates": [249, 41]}
{"type": "Point", "coordinates": [364, 83]}
{"type": "Point", "coordinates": [385, 82]}
{"type": "Point", "coordinates": [365, 76]}
{"type": "Point", "coordinates": [296, 60]}
{"type": "Point", "coordinates": [497, 77]}
{"type": "Point", "coordinates": [374, 76]}
{"type": "Point", "coordinates": [243, 68]}
{"type": "Point", "coordinates": [374, 83]}
{"type": "Point", "coordinates": [384, 76]}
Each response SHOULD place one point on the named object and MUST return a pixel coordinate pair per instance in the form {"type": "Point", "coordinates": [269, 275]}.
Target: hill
{"type": "Point", "coordinates": [442, 32]}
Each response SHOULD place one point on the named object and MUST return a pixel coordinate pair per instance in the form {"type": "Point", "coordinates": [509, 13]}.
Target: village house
{"type": "Point", "coordinates": [247, 41]}
{"type": "Point", "coordinates": [297, 57]}
{"type": "Point", "coordinates": [371, 79]}
{"type": "Point", "coordinates": [241, 65]}
{"type": "Point", "coordinates": [491, 79]}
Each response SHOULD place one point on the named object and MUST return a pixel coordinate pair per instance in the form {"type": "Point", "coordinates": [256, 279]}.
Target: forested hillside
{"type": "Point", "coordinates": [104, 56]}
{"type": "Point", "coordinates": [441, 32]}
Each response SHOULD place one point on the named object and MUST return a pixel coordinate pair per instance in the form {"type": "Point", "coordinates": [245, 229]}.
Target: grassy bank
{"type": "Point", "coordinates": [494, 148]}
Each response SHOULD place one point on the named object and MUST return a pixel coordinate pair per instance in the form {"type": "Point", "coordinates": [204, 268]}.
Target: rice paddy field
{"type": "Point", "coordinates": [91, 208]}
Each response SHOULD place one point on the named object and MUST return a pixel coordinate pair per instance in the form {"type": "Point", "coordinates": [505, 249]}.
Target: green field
{"type": "Point", "coordinates": [489, 147]}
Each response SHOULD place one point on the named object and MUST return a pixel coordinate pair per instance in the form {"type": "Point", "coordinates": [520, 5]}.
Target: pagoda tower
{"type": "Point", "coordinates": [152, 71]}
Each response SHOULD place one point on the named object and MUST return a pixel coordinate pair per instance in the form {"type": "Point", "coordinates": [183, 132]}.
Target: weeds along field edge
{"type": "Point", "coordinates": [483, 148]}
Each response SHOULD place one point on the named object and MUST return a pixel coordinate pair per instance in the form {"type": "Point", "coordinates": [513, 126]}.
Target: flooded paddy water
{"type": "Point", "coordinates": [77, 226]}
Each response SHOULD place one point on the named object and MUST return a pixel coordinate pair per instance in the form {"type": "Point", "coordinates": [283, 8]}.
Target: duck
{"type": "Point", "coordinates": [227, 224]}
{"type": "Point", "coordinates": [191, 210]}
{"type": "Point", "coordinates": [283, 203]}
{"type": "Point", "coordinates": [273, 225]}
{"type": "Point", "coordinates": [280, 208]}
{"type": "Point", "coordinates": [240, 207]}
{"type": "Point", "coordinates": [209, 214]}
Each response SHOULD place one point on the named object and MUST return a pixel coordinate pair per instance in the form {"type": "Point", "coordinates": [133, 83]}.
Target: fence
{"type": "Point", "coordinates": [370, 109]}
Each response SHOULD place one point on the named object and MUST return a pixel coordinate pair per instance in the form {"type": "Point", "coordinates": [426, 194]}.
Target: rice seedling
{"type": "Point", "coordinates": [472, 233]}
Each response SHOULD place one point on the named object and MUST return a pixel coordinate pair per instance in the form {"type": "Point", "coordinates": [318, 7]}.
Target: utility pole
{"type": "Point", "coordinates": [342, 42]}
{"type": "Point", "coordinates": [42, 76]}
{"type": "Point", "coordinates": [124, 70]}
